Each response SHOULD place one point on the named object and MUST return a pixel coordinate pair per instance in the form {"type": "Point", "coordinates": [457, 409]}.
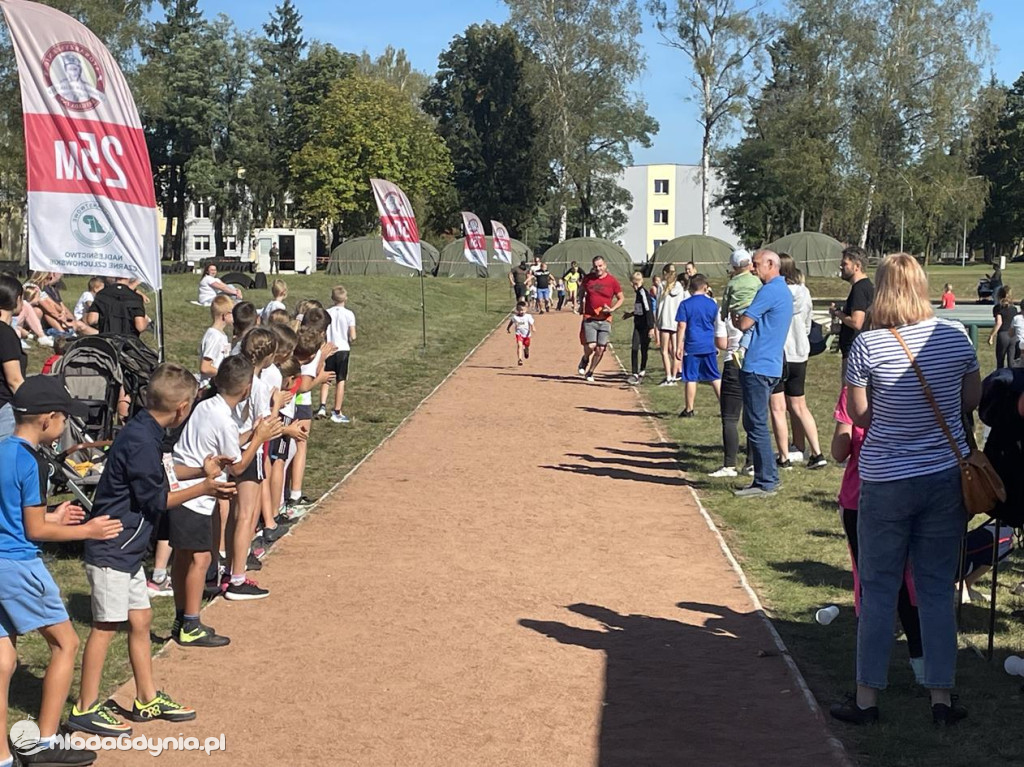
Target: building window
{"type": "Point", "coordinates": [661, 186]}
{"type": "Point", "coordinates": [661, 216]}
{"type": "Point", "coordinates": [201, 242]}
{"type": "Point", "coordinates": [201, 209]}
{"type": "Point", "coordinates": [230, 242]}
{"type": "Point", "coordinates": [658, 244]}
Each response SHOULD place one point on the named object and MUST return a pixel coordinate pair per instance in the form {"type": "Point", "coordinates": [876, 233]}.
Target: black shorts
{"type": "Point", "coordinates": [794, 378]}
{"type": "Point", "coordinates": [303, 412]}
{"type": "Point", "coordinates": [279, 449]}
{"type": "Point", "coordinates": [337, 363]}
{"type": "Point", "coordinates": [189, 530]}
{"type": "Point", "coordinates": [254, 471]}
{"type": "Point", "coordinates": [520, 290]}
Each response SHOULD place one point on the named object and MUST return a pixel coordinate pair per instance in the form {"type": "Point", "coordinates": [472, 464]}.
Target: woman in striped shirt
{"type": "Point", "coordinates": [911, 507]}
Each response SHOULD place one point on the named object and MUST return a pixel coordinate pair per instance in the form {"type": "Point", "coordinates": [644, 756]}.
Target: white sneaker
{"type": "Point", "coordinates": [44, 341]}
{"type": "Point", "coordinates": [725, 471]}
{"type": "Point", "coordinates": [796, 456]}
{"type": "Point", "coordinates": [668, 382]}
{"type": "Point", "coordinates": [633, 380]}
{"type": "Point", "coordinates": [590, 378]}
{"type": "Point", "coordinates": [642, 373]}
{"type": "Point", "coordinates": [581, 370]}
{"type": "Point", "coordinates": [339, 418]}
{"type": "Point", "coordinates": [973, 595]}
{"type": "Point", "coordinates": [749, 470]}
{"type": "Point", "coordinates": [24, 345]}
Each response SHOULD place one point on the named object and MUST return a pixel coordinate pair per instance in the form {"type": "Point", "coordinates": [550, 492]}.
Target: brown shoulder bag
{"type": "Point", "coordinates": [981, 486]}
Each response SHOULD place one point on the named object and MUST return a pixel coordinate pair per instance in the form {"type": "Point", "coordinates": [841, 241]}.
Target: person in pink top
{"type": "Point", "coordinates": [846, 444]}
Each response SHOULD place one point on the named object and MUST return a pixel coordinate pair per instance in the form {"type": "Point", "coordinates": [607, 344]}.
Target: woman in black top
{"type": "Point", "coordinates": [13, 360]}
{"type": "Point", "coordinates": [1002, 334]}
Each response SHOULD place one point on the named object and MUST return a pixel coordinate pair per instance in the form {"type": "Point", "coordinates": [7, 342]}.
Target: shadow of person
{"type": "Point", "coordinates": [685, 693]}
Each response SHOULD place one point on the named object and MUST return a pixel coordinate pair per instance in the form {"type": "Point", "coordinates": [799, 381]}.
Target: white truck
{"type": "Point", "coordinates": [296, 248]}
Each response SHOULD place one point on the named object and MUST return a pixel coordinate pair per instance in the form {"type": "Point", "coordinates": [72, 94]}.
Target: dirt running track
{"type": "Point", "coordinates": [519, 577]}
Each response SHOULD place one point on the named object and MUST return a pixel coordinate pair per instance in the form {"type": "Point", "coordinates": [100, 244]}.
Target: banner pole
{"type": "Point", "coordinates": [423, 308]}
{"type": "Point", "coordinates": [486, 281]}
{"type": "Point", "coordinates": [160, 325]}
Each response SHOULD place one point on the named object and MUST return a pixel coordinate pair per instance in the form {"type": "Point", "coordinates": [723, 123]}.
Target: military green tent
{"type": "Point", "coordinates": [582, 250]}
{"type": "Point", "coordinates": [816, 254]}
{"type": "Point", "coordinates": [365, 255]}
{"type": "Point", "coordinates": [453, 263]}
{"type": "Point", "coordinates": [709, 254]}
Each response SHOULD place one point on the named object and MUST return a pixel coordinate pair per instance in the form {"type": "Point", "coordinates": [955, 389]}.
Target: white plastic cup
{"type": "Point", "coordinates": [1014, 665]}
{"type": "Point", "coordinates": [826, 615]}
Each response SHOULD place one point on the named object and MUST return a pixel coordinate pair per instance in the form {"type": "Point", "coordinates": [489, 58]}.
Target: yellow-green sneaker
{"type": "Point", "coordinates": [97, 720]}
{"type": "Point", "coordinates": [161, 707]}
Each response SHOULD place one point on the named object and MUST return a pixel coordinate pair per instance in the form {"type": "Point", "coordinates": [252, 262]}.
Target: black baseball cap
{"type": "Point", "coordinates": [46, 394]}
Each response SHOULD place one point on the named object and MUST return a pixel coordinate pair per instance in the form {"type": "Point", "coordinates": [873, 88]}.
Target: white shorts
{"type": "Point", "coordinates": [114, 593]}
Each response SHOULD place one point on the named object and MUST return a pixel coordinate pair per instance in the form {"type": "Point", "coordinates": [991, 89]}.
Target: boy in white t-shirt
{"type": "Point", "coordinates": [341, 332]}
{"type": "Point", "coordinates": [523, 323]}
{"type": "Point", "coordinates": [215, 345]}
{"type": "Point", "coordinates": [279, 292]}
{"type": "Point", "coordinates": [211, 430]}
{"type": "Point", "coordinates": [96, 284]}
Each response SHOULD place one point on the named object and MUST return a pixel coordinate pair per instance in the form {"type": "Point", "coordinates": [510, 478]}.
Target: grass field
{"type": "Point", "coordinates": [793, 549]}
{"type": "Point", "coordinates": [389, 375]}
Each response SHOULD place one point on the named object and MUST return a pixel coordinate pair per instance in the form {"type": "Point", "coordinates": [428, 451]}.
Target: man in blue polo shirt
{"type": "Point", "coordinates": [768, 318]}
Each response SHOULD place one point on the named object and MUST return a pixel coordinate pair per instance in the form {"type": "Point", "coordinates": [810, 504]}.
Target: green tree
{"type": "Point", "coordinates": [998, 129]}
{"type": "Point", "coordinates": [366, 128]}
{"type": "Point", "coordinates": [176, 101]}
{"type": "Point", "coordinates": [487, 107]}
{"type": "Point", "coordinates": [589, 55]}
{"type": "Point", "coordinates": [393, 66]}
{"type": "Point", "coordinates": [722, 43]}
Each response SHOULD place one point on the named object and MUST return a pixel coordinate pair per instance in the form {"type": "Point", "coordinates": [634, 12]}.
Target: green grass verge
{"type": "Point", "coordinates": [389, 375]}
{"type": "Point", "coordinates": [793, 550]}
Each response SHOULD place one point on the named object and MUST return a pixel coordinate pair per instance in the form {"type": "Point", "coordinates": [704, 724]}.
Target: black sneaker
{"type": "Point", "coordinates": [274, 534]}
{"type": "Point", "coordinates": [817, 462]}
{"type": "Point", "coordinates": [252, 563]}
{"type": "Point", "coordinates": [200, 636]}
{"type": "Point", "coordinates": [687, 414]}
{"type": "Point", "coordinates": [245, 591]}
{"type": "Point", "coordinates": [851, 713]}
{"type": "Point", "coordinates": [784, 464]}
{"type": "Point", "coordinates": [58, 756]}
{"type": "Point", "coordinates": [526, 352]}
{"type": "Point", "coordinates": [321, 413]}
{"type": "Point", "coordinates": [947, 716]}
{"type": "Point", "coordinates": [97, 720]}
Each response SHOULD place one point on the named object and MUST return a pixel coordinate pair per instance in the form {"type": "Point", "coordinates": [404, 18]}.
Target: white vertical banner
{"type": "Point", "coordinates": [502, 242]}
{"type": "Point", "coordinates": [475, 242]}
{"type": "Point", "coordinates": [397, 225]}
{"type": "Point", "coordinates": [91, 202]}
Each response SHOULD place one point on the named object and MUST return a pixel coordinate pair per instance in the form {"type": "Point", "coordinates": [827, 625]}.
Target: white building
{"type": "Point", "coordinates": [199, 240]}
{"type": "Point", "coordinates": [666, 205]}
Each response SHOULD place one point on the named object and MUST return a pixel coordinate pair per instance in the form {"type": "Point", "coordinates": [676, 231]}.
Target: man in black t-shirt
{"type": "Point", "coordinates": [543, 278]}
{"type": "Point", "coordinates": [118, 309]}
{"type": "Point", "coordinates": [862, 293]}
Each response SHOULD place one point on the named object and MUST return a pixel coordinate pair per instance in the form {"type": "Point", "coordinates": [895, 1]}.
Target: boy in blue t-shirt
{"type": "Point", "coordinates": [136, 488]}
{"type": "Point", "coordinates": [29, 598]}
{"type": "Point", "coordinates": [695, 341]}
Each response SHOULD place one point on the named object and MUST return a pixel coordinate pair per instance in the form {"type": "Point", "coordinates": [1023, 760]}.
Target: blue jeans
{"type": "Point", "coordinates": [757, 390]}
{"type": "Point", "coordinates": [920, 519]}
{"type": "Point", "coordinates": [6, 421]}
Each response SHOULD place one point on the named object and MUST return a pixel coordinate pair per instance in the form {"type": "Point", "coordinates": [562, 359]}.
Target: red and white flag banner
{"type": "Point", "coordinates": [475, 242]}
{"type": "Point", "coordinates": [91, 203]}
{"type": "Point", "coordinates": [397, 225]}
{"type": "Point", "coordinates": [502, 242]}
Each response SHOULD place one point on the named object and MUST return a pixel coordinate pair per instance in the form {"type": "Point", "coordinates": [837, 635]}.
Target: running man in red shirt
{"type": "Point", "coordinates": [602, 296]}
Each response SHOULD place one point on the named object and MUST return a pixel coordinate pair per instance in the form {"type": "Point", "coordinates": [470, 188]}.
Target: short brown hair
{"type": "Point", "coordinates": [233, 375]}
{"type": "Point", "coordinates": [339, 294]}
{"type": "Point", "coordinates": [698, 282]}
{"type": "Point", "coordinates": [307, 341]}
{"type": "Point", "coordinates": [169, 386]}
{"type": "Point", "coordinates": [857, 254]}
{"type": "Point", "coordinates": [244, 316]}
{"type": "Point", "coordinates": [279, 317]}
{"type": "Point", "coordinates": [315, 317]}
{"type": "Point", "coordinates": [289, 368]}
{"type": "Point", "coordinates": [221, 305]}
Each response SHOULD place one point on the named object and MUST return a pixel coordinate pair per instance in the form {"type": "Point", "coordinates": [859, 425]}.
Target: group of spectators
{"type": "Point", "coordinates": [901, 500]}
{"type": "Point", "coordinates": [534, 285]}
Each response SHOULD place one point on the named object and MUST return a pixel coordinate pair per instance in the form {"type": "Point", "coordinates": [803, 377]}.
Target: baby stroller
{"type": "Point", "coordinates": [96, 370]}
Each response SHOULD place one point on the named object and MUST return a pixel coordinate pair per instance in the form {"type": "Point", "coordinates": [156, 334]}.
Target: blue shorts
{"type": "Point", "coordinates": [700, 367]}
{"type": "Point", "coordinates": [543, 294]}
{"type": "Point", "coordinates": [29, 598]}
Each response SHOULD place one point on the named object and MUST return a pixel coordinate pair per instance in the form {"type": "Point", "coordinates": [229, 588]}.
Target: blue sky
{"type": "Point", "coordinates": [424, 33]}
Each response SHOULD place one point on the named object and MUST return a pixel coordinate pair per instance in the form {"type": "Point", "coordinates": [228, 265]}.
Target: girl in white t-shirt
{"type": "Point", "coordinates": [210, 287]}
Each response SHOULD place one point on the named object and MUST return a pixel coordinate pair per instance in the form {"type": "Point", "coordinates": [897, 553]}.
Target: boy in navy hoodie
{"type": "Point", "coordinates": [137, 486]}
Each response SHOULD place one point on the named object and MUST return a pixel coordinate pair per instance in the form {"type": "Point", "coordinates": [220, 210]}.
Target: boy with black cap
{"type": "Point", "coordinates": [29, 598]}
{"type": "Point", "coordinates": [137, 487]}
